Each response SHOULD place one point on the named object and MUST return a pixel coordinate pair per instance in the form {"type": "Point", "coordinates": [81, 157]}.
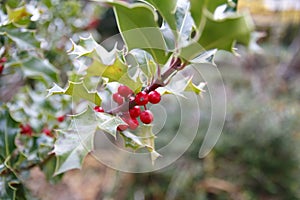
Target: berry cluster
{"type": "Point", "coordinates": [135, 102]}
{"type": "Point", "coordinates": [2, 61]}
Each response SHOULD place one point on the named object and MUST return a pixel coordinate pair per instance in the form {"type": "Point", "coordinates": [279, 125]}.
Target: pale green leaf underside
{"type": "Point", "coordinates": [108, 123]}
{"type": "Point", "coordinates": [142, 138]}
{"type": "Point", "coordinates": [73, 144]}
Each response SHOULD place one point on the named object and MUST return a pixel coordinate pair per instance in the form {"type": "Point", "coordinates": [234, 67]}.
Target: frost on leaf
{"type": "Point", "coordinates": [74, 143]}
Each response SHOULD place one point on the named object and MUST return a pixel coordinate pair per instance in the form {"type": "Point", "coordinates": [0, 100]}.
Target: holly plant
{"type": "Point", "coordinates": [111, 91]}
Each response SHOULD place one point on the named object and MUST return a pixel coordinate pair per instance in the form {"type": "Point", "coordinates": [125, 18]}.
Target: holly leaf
{"type": "Point", "coordinates": [197, 8]}
{"type": "Point", "coordinates": [23, 38]}
{"type": "Point", "coordinates": [90, 48]}
{"type": "Point", "coordinates": [17, 14]}
{"type": "Point", "coordinates": [73, 144]}
{"type": "Point", "coordinates": [166, 9]}
{"type": "Point", "coordinates": [184, 22]}
{"type": "Point", "coordinates": [117, 72]}
{"type": "Point", "coordinates": [210, 30]}
{"type": "Point", "coordinates": [142, 60]}
{"type": "Point", "coordinates": [178, 85]}
{"type": "Point", "coordinates": [238, 29]}
{"type": "Point", "coordinates": [143, 138]}
{"type": "Point", "coordinates": [191, 87]}
{"type": "Point", "coordinates": [11, 188]}
{"type": "Point", "coordinates": [106, 64]}
{"type": "Point", "coordinates": [138, 26]}
{"type": "Point", "coordinates": [71, 148]}
{"type": "Point", "coordinates": [9, 128]}
{"type": "Point", "coordinates": [78, 91]}
{"type": "Point", "coordinates": [40, 68]}
{"type": "Point", "coordinates": [108, 123]}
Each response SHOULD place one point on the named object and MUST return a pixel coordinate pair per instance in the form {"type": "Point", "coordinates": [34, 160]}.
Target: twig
{"type": "Point", "coordinates": [7, 170]}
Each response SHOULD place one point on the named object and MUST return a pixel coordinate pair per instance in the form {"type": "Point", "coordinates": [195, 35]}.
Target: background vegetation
{"type": "Point", "coordinates": [255, 158]}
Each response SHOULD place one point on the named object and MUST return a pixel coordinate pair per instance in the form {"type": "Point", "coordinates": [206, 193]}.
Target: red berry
{"type": "Point", "coordinates": [61, 118]}
{"type": "Point", "coordinates": [154, 97]}
{"type": "Point", "coordinates": [98, 109]}
{"type": "Point", "coordinates": [93, 24]}
{"type": "Point", "coordinates": [146, 117]}
{"type": "Point", "coordinates": [135, 112]}
{"type": "Point", "coordinates": [3, 60]}
{"type": "Point", "coordinates": [1, 68]}
{"type": "Point", "coordinates": [141, 98]}
{"type": "Point", "coordinates": [133, 123]}
{"type": "Point", "coordinates": [118, 98]}
{"type": "Point", "coordinates": [26, 129]}
{"type": "Point", "coordinates": [124, 91]}
{"type": "Point", "coordinates": [122, 127]}
{"type": "Point", "coordinates": [47, 132]}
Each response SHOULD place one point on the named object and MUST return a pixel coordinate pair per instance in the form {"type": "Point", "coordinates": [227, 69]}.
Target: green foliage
{"type": "Point", "coordinates": [9, 129]}
{"type": "Point", "coordinates": [28, 47]}
{"type": "Point", "coordinates": [134, 21]}
{"type": "Point", "coordinates": [153, 53]}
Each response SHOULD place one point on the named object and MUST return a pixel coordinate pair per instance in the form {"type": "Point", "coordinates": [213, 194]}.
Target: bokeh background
{"type": "Point", "coordinates": [257, 155]}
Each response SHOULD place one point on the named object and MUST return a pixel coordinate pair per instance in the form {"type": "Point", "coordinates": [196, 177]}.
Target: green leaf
{"type": "Point", "coordinates": [142, 60]}
{"type": "Point", "coordinates": [222, 34]}
{"type": "Point", "coordinates": [77, 91]}
{"type": "Point", "coordinates": [143, 138]}
{"type": "Point", "coordinates": [11, 188]}
{"type": "Point", "coordinates": [197, 7]}
{"type": "Point", "coordinates": [40, 68]}
{"type": "Point", "coordinates": [16, 14]}
{"type": "Point", "coordinates": [90, 48]}
{"type": "Point", "coordinates": [49, 169]}
{"type": "Point", "coordinates": [217, 32]}
{"type": "Point", "coordinates": [108, 123]}
{"type": "Point", "coordinates": [105, 64]}
{"type": "Point", "coordinates": [24, 39]}
{"type": "Point", "coordinates": [117, 72]}
{"type": "Point", "coordinates": [178, 85]}
{"type": "Point", "coordinates": [190, 86]}
{"type": "Point", "coordinates": [166, 9]}
{"type": "Point", "coordinates": [73, 144]}
{"type": "Point", "coordinates": [9, 128]}
{"type": "Point", "coordinates": [138, 26]}
{"type": "Point", "coordinates": [184, 22]}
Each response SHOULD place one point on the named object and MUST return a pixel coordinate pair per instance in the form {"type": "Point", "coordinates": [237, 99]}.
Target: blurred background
{"type": "Point", "coordinates": [257, 155]}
